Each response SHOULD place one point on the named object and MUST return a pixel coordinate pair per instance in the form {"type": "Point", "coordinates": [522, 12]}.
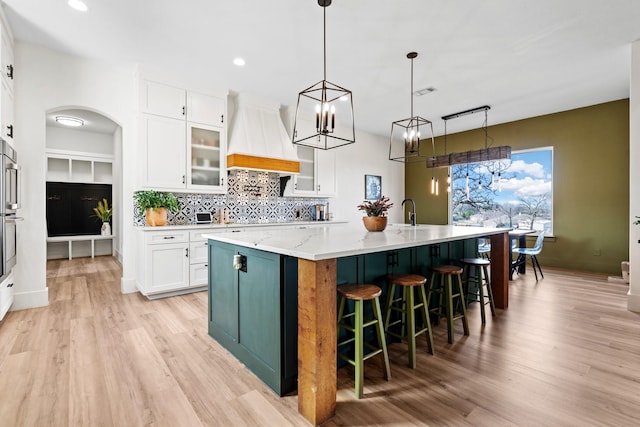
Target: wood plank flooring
{"type": "Point", "coordinates": [565, 353]}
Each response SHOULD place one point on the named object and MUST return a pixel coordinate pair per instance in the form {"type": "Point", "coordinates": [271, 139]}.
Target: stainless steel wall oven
{"type": "Point", "coordinates": [9, 205]}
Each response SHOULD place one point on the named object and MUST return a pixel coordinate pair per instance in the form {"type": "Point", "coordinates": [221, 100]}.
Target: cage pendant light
{"type": "Point", "coordinates": [408, 135]}
{"type": "Point", "coordinates": [324, 113]}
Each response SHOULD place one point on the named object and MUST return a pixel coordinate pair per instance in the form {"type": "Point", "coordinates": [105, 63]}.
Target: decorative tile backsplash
{"type": "Point", "coordinates": [252, 198]}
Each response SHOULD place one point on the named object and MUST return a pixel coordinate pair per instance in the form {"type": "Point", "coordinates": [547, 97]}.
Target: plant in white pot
{"type": "Point", "coordinates": [103, 212]}
{"type": "Point", "coordinates": [154, 205]}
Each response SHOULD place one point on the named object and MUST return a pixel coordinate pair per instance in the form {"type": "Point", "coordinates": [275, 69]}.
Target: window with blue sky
{"type": "Point", "coordinates": [515, 193]}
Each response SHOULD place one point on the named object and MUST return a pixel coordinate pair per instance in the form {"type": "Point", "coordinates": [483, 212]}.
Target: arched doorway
{"type": "Point", "coordinates": [83, 158]}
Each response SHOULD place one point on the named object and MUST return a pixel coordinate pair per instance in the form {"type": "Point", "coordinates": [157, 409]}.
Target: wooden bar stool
{"type": "Point", "coordinates": [447, 296]}
{"type": "Point", "coordinates": [480, 280]}
{"type": "Point", "coordinates": [359, 293]}
{"type": "Point", "coordinates": [407, 306]}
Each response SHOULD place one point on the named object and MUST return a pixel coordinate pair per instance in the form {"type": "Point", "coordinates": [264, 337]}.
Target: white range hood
{"type": "Point", "coordinates": [257, 138]}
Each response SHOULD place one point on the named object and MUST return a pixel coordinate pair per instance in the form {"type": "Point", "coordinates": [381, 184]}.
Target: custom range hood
{"type": "Point", "coordinates": [257, 138]}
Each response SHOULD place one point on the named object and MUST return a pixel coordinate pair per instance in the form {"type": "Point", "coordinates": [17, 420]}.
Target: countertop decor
{"type": "Point", "coordinates": [376, 219]}
{"type": "Point", "coordinates": [155, 205]}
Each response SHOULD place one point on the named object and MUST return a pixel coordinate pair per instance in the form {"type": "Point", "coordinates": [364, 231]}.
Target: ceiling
{"type": "Point", "coordinates": [522, 58]}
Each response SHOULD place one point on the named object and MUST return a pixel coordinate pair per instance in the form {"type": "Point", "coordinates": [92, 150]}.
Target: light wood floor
{"type": "Point", "coordinates": [565, 353]}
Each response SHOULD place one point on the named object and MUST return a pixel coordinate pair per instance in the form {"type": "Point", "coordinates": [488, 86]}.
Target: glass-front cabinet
{"type": "Point", "coordinates": [207, 156]}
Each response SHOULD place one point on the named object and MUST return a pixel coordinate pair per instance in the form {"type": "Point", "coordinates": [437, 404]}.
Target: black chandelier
{"type": "Point", "coordinates": [326, 108]}
{"type": "Point", "coordinates": [407, 134]}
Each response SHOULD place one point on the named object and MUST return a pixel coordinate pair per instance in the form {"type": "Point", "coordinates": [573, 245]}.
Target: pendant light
{"type": "Point", "coordinates": [326, 108]}
{"type": "Point", "coordinates": [407, 134]}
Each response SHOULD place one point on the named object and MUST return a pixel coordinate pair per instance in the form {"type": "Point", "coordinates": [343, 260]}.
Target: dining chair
{"type": "Point", "coordinates": [484, 247]}
{"type": "Point", "coordinates": [533, 253]}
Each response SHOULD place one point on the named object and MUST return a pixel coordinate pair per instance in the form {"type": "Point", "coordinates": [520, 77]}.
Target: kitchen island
{"type": "Point", "coordinates": [317, 251]}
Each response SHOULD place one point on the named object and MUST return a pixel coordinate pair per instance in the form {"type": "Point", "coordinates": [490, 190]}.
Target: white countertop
{"type": "Point", "coordinates": [347, 239]}
{"type": "Point", "coordinates": [215, 225]}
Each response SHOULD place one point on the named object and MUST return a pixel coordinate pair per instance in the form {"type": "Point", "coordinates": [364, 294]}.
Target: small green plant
{"type": "Point", "coordinates": [637, 221]}
{"type": "Point", "coordinates": [103, 211]}
{"type": "Point", "coordinates": [152, 199]}
{"type": "Point", "coordinates": [376, 208]}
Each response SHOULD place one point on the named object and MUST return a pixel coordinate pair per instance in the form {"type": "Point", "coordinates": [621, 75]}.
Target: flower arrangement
{"type": "Point", "coordinates": [103, 211]}
{"type": "Point", "coordinates": [376, 208]}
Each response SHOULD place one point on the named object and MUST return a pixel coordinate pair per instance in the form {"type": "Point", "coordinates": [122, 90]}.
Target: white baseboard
{"type": "Point", "coordinates": [128, 286]}
{"type": "Point", "coordinates": [33, 299]}
{"type": "Point", "coordinates": [633, 302]}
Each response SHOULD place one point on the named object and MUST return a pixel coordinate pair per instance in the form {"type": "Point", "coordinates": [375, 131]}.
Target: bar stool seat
{"type": "Point", "coordinates": [445, 288]}
{"type": "Point", "coordinates": [479, 266]}
{"type": "Point", "coordinates": [359, 293]}
{"type": "Point", "coordinates": [406, 305]}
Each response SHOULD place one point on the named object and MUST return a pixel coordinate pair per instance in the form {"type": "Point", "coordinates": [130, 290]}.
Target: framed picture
{"type": "Point", "coordinates": [372, 187]}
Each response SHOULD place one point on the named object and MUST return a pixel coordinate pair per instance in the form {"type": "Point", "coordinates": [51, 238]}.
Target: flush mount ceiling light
{"type": "Point", "coordinates": [78, 5]}
{"type": "Point", "coordinates": [323, 106]}
{"type": "Point", "coordinates": [69, 121]}
{"type": "Point", "coordinates": [407, 134]}
{"type": "Point", "coordinates": [239, 62]}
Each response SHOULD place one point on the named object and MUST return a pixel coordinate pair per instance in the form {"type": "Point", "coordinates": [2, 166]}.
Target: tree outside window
{"type": "Point", "coordinates": [513, 193]}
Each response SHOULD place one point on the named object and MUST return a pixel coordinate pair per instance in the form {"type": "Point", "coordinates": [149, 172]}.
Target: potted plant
{"type": "Point", "coordinates": [376, 219]}
{"type": "Point", "coordinates": [103, 212]}
{"type": "Point", "coordinates": [154, 205]}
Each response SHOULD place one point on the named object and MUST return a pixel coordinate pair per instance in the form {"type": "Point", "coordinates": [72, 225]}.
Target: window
{"type": "Point", "coordinates": [514, 193]}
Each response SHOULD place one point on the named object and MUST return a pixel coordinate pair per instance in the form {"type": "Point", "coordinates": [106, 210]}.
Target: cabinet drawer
{"type": "Point", "coordinates": [158, 238]}
{"type": "Point", "coordinates": [198, 252]}
{"type": "Point", "coordinates": [198, 274]}
{"type": "Point", "coordinates": [197, 236]}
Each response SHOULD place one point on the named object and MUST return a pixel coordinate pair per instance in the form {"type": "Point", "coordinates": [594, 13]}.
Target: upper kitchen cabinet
{"type": "Point", "coordinates": [6, 88]}
{"type": "Point", "coordinates": [317, 177]}
{"type": "Point", "coordinates": [184, 139]}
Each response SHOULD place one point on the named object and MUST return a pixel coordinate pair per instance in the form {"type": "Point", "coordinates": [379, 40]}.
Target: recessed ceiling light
{"type": "Point", "coordinates": [239, 62]}
{"type": "Point", "coordinates": [69, 121]}
{"type": "Point", "coordinates": [78, 5]}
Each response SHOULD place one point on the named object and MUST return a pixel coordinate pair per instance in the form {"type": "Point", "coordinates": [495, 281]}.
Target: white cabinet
{"type": "Point", "coordinates": [164, 262]}
{"type": "Point", "coordinates": [184, 139]}
{"type": "Point", "coordinates": [6, 295]}
{"type": "Point", "coordinates": [199, 253]}
{"type": "Point", "coordinates": [317, 176]}
{"type": "Point", "coordinates": [163, 139]}
{"type": "Point", "coordinates": [6, 86]}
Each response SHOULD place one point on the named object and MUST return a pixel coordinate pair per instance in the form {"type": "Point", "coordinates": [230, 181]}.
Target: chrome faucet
{"type": "Point", "coordinates": [412, 214]}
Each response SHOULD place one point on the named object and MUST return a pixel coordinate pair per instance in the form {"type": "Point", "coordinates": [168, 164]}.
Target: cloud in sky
{"type": "Point", "coordinates": [535, 169]}
{"type": "Point", "coordinates": [526, 187]}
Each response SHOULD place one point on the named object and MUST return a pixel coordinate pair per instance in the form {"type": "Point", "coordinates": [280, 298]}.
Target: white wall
{"type": "Point", "coordinates": [633, 302]}
{"type": "Point", "coordinates": [49, 80]}
{"type": "Point", "coordinates": [368, 156]}
{"type": "Point", "coordinates": [79, 140]}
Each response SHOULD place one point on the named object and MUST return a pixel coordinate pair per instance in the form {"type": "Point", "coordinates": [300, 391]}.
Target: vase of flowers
{"type": "Point", "coordinates": [376, 219]}
{"type": "Point", "coordinates": [103, 212]}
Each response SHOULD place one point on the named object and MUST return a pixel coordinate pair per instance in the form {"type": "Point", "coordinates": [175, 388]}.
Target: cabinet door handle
{"type": "Point", "coordinates": [169, 237]}
{"type": "Point", "coordinates": [184, 179]}
{"type": "Point", "coordinates": [186, 252]}
{"type": "Point", "coordinates": [184, 110]}
{"type": "Point", "coordinates": [10, 285]}
{"type": "Point", "coordinates": [10, 71]}
{"type": "Point", "coordinates": [221, 181]}
{"type": "Point", "coordinates": [222, 118]}
{"type": "Point", "coordinates": [10, 131]}
{"type": "Point", "coordinates": [205, 243]}
{"type": "Point", "coordinates": [318, 187]}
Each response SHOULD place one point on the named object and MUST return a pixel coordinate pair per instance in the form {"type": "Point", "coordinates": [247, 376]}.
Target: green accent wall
{"type": "Point", "coordinates": [590, 182]}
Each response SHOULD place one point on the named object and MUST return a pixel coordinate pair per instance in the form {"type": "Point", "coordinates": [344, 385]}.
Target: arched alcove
{"type": "Point", "coordinates": [83, 157]}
